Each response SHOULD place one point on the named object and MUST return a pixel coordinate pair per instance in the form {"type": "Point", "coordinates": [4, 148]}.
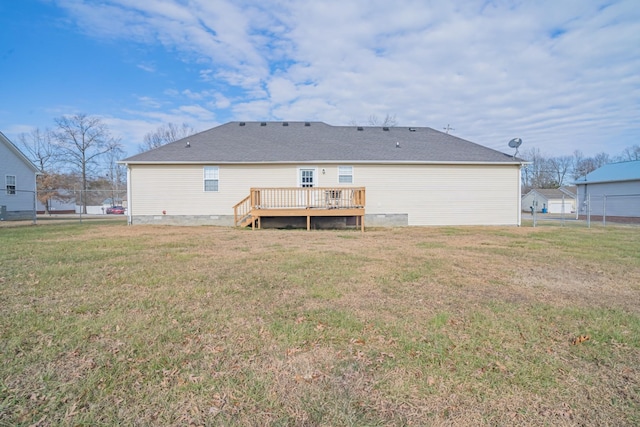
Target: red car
{"type": "Point", "coordinates": [116, 210]}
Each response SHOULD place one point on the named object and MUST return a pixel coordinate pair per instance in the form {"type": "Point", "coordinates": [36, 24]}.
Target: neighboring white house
{"type": "Point", "coordinates": [411, 175]}
{"type": "Point", "coordinates": [612, 191]}
{"type": "Point", "coordinates": [550, 200]}
{"type": "Point", "coordinates": [18, 180]}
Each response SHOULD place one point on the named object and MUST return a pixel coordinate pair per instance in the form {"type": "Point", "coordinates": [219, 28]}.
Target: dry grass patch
{"type": "Point", "coordinates": [108, 324]}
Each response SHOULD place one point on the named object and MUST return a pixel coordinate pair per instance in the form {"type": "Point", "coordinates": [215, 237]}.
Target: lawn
{"type": "Point", "coordinates": [105, 324]}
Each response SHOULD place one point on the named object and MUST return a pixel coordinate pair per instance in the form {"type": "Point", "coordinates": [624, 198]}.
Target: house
{"type": "Point", "coordinates": [550, 200]}
{"type": "Point", "coordinates": [249, 173]}
{"type": "Point", "coordinates": [611, 191]}
{"type": "Point", "coordinates": [18, 180]}
{"type": "Point", "coordinates": [64, 203]}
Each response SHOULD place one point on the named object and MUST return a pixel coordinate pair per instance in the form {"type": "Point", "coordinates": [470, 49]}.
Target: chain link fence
{"type": "Point", "coordinates": [80, 205]}
{"type": "Point", "coordinates": [594, 210]}
{"type": "Point", "coordinates": [18, 205]}
{"type": "Point", "coordinates": [615, 208]}
{"type": "Point", "coordinates": [88, 202]}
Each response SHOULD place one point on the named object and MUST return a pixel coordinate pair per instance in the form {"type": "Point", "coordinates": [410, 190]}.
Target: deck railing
{"type": "Point", "coordinates": [242, 211]}
{"type": "Point", "coordinates": [298, 201]}
{"type": "Point", "coordinates": [307, 198]}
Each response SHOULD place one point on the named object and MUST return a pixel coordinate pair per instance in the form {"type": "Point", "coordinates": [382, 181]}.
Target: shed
{"type": "Point", "coordinates": [550, 200]}
{"type": "Point", "coordinates": [611, 191]}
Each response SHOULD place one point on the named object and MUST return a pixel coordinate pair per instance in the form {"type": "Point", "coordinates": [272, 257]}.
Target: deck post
{"type": "Point", "coordinates": [308, 222]}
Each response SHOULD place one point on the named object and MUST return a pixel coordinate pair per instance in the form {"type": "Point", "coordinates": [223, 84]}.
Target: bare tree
{"type": "Point", "coordinates": [583, 165]}
{"type": "Point", "coordinates": [388, 121]}
{"type": "Point", "coordinates": [537, 174]}
{"type": "Point", "coordinates": [164, 135]}
{"type": "Point", "coordinates": [41, 150]}
{"type": "Point", "coordinates": [82, 141]}
{"type": "Point", "coordinates": [630, 154]}
{"type": "Point", "coordinates": [116, 174]}
{"type": "Point", "coordinates": [560, 168]}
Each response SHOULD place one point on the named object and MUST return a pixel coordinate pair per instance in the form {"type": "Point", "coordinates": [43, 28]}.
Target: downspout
{"type": "Point", "coordinates": [35, 200]}
{"type": "Point", "coordinates": [129, 197]}
{"type": "Point", "coordinates": [519, 214]}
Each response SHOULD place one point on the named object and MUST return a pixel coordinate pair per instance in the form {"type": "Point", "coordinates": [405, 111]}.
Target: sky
{"type": "Point", "coordinates": [562, 75]}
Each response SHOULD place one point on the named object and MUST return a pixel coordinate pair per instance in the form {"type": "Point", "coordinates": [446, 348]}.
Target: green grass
{"type": "Point", "coordinates": [103, 324]}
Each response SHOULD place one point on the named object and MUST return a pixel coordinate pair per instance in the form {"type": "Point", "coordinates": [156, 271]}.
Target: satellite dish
{"type": "Point", "coordinates": [515, 143]}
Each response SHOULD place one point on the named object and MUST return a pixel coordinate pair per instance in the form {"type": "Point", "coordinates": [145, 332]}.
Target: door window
{"type": "Point", "coordinates": [307, 177]}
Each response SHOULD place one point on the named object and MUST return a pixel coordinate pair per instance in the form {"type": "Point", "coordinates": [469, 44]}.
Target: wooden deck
{"type": "Point", "coordinates": [300, 202]}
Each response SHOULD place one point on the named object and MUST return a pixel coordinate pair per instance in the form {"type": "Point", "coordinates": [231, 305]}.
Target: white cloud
{"type": "Point", "coordinates": [147, 101]}
{"type": "Point", "coordinates": [281, 90]}
{"type": "Point", "coordinates": [560, 75]}
{"type": "Point", "coordinates": [196, 112]}
{"type": "Point", "coordinates": [147, 67]}
{"type": "Point", "coordinates": [220, 102]}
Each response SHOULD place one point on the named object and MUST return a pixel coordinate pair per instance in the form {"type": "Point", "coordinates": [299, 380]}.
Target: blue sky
{"type": "Point", "coordinates": [561, 75]}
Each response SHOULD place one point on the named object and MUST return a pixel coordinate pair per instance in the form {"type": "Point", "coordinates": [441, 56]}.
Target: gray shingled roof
{"type": "Point", "coordinates": [300, 142]}
{"type": "Point", "coordinates": [554, 193]}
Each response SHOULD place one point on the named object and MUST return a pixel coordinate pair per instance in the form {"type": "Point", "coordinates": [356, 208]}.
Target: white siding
{"type": "Point", "coordinates": [428, 194]}
{"type": "Point", "coordinates": [443, 194]}
{"type": "Point", "coordinates": [622, 198]}
{"type": "Point", "coordinates": [179, 190]}
{"type": "Point", "coordinates": [10, 164]}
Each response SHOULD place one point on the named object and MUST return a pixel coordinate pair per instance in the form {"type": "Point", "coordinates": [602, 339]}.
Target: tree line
{"type": "Point", "coordinates": [554, 172]}
{"type": "Point", "coordinates": [80, 155]}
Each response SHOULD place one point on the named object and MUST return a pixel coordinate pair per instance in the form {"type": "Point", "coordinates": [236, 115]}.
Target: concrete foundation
{"type": "Point", "coordinates": [17, 215]}
{"type": "Point", "coordinates": [184, 220]}
{"type": "Point", "coordinates": [386, 220]}
{"type": "Point", "coordinates": [317, 223]}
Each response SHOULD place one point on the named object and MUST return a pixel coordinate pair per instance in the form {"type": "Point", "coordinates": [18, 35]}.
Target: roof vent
{"type": "Point", "coordinates": [307, 124]}
{"type": "Point", "coordinates": [263, 124]}
{"type": "Point", "coordinates": [188, 144]}
{"type": "Point", "coordinates": [360, 128]}
{"type": "Point", "coordinates": [285, 123]}
{"type": "Point", "coordinates": [397, 145]}
{"type": "Point", "coordinates": [242, 123]}
{"type": "Point", "coordinates": [412, 130]}
{"type": "Point", "coordinates": [385, 128]}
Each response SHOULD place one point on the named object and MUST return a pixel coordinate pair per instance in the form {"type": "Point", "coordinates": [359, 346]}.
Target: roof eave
{"type": "Point", "coordinates": [295, 162]}
{"type": "Point", "coordinates": [607, 181]}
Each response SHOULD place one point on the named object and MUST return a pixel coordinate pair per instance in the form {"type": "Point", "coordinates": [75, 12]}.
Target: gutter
{"type": "Point", "coordinates": [313, 162]}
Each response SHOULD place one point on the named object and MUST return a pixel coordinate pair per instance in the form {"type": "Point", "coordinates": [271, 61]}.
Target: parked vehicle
{"type": "Point", "coordinates": [116, 210]}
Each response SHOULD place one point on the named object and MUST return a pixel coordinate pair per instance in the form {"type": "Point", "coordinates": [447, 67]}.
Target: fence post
{"type": "Point", "coordinates": [588, 210]}
{"type": "Point", "coordinates": [604, 210]}
{"type": "Point", "coordinates": [35, 207]}
{"type": "Point", "coordinates": [81, 204]}
{"type": "Point", "coordinates": [562, 211]}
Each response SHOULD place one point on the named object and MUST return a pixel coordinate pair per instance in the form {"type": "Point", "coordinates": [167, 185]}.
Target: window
{"type": "Point", "coordinates": [307, 177]}
{"type": "Point", "coordinates": [211, 174]}
{"type": "Point", "coordinates": [10, 181]}
{"type": "Point", "coordinates": [345, 174]}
